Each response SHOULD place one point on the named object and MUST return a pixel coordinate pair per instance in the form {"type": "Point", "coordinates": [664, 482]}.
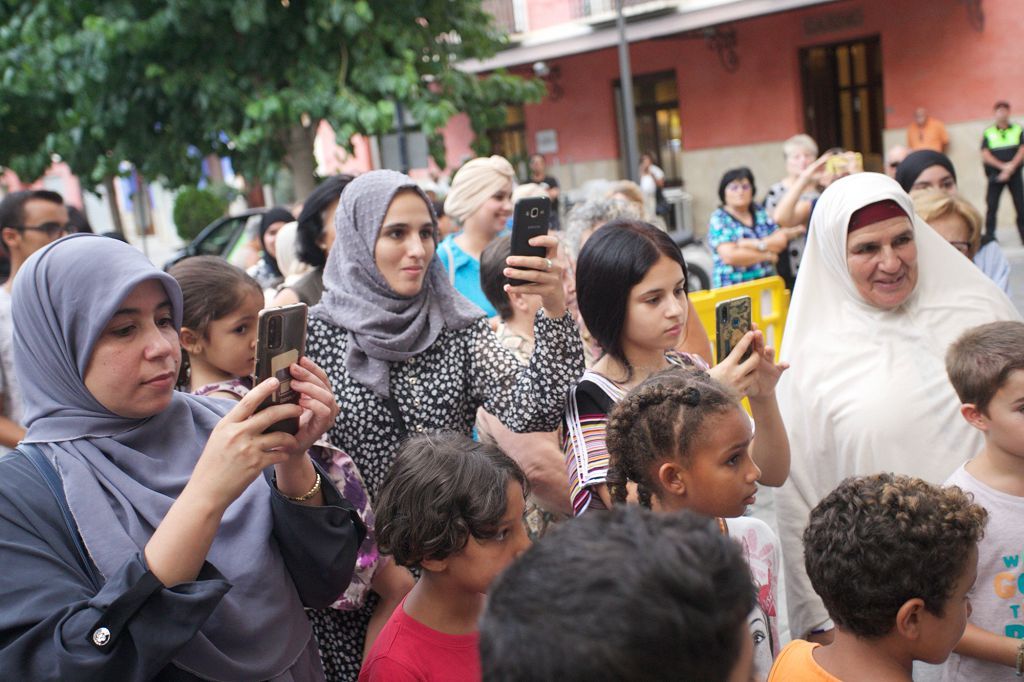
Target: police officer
{"type": "Point", "coordinates": [1002, 153]}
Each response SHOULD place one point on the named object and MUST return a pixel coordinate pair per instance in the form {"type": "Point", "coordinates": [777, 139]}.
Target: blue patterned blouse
{"type": "Point", "coordinates": [724, 229]}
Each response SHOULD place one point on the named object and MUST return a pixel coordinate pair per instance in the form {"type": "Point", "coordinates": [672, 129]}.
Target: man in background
{"type": "Point", "coordinates": [29, 220]}
{"type": "Point", "coordinates": [1002, 154]}
{"type": "Point", "coordinates": [927, 132]}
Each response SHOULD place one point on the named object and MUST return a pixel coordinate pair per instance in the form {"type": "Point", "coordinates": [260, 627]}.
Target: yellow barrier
{"type": "Point", "coordinates": [769, 304]}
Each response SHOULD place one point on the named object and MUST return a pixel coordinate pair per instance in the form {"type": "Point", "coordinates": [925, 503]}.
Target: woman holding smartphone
{"type": "Point", "coordinates": [179, 541]}
{"type": "Point", "coordinates": [405, 352]}
{"type": "Point", "coordinates": [631, 289]}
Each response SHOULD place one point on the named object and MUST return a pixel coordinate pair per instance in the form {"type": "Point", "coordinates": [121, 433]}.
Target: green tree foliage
{"type": "Point", "coordinates": [161, 83]}
{"type": "Point", "coordinates": [196, 208]}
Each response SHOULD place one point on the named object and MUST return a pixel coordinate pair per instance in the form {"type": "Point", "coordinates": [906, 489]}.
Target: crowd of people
{"type": "Point", "coordinates": [520, 467]}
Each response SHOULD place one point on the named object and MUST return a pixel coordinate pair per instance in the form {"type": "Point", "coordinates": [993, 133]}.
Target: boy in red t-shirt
{"type": "Point", "coordinates": [454, 508]}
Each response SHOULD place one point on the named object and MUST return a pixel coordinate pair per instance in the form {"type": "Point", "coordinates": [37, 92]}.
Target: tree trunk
{"type": "Point", "coordinates": [299, 157]}
{"type": "Point", "coordinates": [115, 212]}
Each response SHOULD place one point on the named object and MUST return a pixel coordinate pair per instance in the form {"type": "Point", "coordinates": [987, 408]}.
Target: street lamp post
{"type": "Point", "coordinates": [628, 110]}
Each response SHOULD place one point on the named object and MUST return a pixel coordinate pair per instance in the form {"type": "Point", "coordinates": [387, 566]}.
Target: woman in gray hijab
{"type": "Point", "coordinates": [138, 538]}
{"type": "Point", "coordinates": [405, 352]}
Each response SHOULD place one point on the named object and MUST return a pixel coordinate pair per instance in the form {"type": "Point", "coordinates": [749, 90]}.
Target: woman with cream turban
{"type": "Point", "coordinates": [480, 201]}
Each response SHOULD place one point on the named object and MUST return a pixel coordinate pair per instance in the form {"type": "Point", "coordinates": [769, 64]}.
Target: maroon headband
{"type": "Point", "coordinates": [875, 213]}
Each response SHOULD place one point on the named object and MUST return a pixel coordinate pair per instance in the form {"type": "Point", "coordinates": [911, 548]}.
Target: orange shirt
{"type": "Point", "coordinates": [796, 664]}
{"type": "Point", "coordinates": [932, 135]}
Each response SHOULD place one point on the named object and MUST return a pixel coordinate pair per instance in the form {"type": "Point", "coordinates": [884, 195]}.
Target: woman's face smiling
{"type": "Point", "coordinates": [134, 363]}
{"type": "Point", "coordinates": [405, 245]}
{"type": "Point", "coordinates": [882, 260]}
{"type": "Point", "coordinates": [492, 216]}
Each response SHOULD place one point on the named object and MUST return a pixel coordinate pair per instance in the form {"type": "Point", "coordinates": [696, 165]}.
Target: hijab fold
{"type": "Point", "coordinates": [277, 214]}
{"type": "Point", "coordinates": [867, 391]}
{"type": "Point", "coordinates": [383, 326]}
{"type": "Point", "coordinates": [121, 475]}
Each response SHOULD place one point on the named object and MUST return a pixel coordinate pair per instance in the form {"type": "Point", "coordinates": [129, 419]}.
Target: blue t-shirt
{"type": "Point", "coordinates": [725, 229]}
{"type": "Point", "coordinates": [467, 273]}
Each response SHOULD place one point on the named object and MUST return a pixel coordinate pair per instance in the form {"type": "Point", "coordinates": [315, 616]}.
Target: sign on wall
{"type": "Point", "coordinates": [547, 141]}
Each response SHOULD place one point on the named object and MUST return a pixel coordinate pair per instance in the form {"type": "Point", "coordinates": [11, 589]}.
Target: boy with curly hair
{"type": "Point", "coordinates": [454, 508]}
{"type": "Point", "coordinates": [986, 367]}
{"type": "Point", "coordinates": [893, 558]}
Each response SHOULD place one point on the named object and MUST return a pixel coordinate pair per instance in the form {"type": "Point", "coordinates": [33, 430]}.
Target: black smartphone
{"type": "Point", "coordinates": [529, 219]}
{"type": "Point", "coordinates": [732, 321]}
{"type": "Point", "coordinates": [280, 341]}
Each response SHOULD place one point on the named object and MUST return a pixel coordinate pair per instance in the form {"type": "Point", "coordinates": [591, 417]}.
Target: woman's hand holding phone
{"type": "Point", "coordinates": [319, 408]}
{"type": "Point", "coordinates": [734, 371]}
{"type": "Point", "coordinates": [239, 447]}
{"type": "Point", "coordinates": [542, 274]}
{"type": "Point", "coordinates": [766, 375]}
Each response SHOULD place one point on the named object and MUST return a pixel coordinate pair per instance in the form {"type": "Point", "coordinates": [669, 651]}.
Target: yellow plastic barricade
{"type": "Point", "coordinates": [769, 304]}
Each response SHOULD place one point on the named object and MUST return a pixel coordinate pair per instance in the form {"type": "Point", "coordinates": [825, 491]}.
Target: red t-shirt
{"type": "Point", "coordinates": [408, 650]}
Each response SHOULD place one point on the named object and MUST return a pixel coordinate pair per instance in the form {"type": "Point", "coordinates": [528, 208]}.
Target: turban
{"type": "Point", "coordinates": [474, 183]}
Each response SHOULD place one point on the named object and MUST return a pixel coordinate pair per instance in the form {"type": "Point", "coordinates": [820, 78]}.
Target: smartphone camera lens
{"type": "Point", "coordinates": [534, 212]}
{"type": "Point", "coordinates": [274, 332]}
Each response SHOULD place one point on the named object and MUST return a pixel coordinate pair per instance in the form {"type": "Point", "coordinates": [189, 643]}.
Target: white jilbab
{"type": "Point", "coordinates": [867, 391]}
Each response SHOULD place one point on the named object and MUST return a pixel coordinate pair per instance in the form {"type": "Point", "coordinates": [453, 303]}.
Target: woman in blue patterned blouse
{"type": "Point", "coordinates": [745, 243]}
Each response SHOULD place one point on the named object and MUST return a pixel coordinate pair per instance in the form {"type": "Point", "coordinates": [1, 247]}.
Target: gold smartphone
{"type": "Point", "coordinates": [280, 342]}
{"type": "Point", "coordinates": [732, 321]}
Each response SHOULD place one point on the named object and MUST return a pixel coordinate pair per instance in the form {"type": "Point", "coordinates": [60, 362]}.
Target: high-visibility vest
{"type": "Point", "coordinates": [997, 138]}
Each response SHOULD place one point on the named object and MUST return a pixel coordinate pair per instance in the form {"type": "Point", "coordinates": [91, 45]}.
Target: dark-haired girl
{"type": "Point", "coordinates": [745, 243]}
{"type": "Point", "coordinates": [221, 304]}
{"type": "Point", "coordinates": [631, 291]}
{"type": "Point", "coordinates": [684, 441]}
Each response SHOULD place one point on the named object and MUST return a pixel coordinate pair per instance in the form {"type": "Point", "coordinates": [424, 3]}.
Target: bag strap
{"type": "Point", "coordinates": [451, 262]}
{"type": "Point", "coordinates": [396, 415]}
{"type": "Point", "coordinates": [52, 479]}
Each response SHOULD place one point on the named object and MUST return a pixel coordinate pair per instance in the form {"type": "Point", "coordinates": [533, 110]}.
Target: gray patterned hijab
{"type": "Point", "coordinates": [121, 474]}
{"type": "Point", "coordinates": [383, 326]}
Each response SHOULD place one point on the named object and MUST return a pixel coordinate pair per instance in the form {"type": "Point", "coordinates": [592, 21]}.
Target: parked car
{"type": "Point", "coordinates": [223, 237]}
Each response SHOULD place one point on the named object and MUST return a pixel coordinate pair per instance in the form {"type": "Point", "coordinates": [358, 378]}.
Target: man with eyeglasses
{"type": "Point", "coordinates": [29, 220]}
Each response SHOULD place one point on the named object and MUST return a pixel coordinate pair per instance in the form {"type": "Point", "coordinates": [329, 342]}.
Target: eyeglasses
{"type": "Point", "coordinates": [737, 186]}
{"type": "Point", "coordinates": [962, 247]}
{"type": "Point", "coordinates": [51, 229]}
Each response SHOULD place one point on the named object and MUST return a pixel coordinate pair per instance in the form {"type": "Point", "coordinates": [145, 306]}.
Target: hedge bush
{"type": "Point", "coordinates": [196, 208]}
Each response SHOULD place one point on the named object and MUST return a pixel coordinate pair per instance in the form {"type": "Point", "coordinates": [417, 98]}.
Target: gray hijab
{"type": "Point", "coordinates": [383, 326]}
{"type": "Point", "coordinates": [121, 475]}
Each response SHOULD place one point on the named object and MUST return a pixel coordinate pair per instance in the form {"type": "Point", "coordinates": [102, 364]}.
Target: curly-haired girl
{"type": "Point", "coordinates": [631, 290]}
{"type": "Point", "coordinates": [684, 441]}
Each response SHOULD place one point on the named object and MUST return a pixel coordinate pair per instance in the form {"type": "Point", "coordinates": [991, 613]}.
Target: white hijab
{"type": "Point", "coordinates": [867, 391]}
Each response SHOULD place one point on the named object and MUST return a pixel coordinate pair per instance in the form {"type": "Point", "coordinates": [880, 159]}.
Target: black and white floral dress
{"type": "Point", "coordinates": [439, 389]}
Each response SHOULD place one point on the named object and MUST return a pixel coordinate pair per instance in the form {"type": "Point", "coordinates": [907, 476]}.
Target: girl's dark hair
{"type": "Point", "coordinates": [442, 489]}
{"type": "Point", "coordinates": [492, 275]}
{"type": "Point", "coordinates": [311, 223]}
{"type": "Point", "coordinates": [732, 175]}
{"type": "Point", "coordinates": [658, 420]}
{"type": "Point", "coordinates": [210, 289]}
{"type": "Point", "coordinates": [610, 264]}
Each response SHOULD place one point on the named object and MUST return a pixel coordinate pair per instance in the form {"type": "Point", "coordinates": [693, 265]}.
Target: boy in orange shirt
{"type": "Point", "coordinates": [892, 557]}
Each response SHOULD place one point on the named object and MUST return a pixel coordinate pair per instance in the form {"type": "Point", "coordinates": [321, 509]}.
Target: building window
{"type": "Point", "coordinates": [658, 126]}
{"type": "Point", "coordinates": [510, 139]}
{"type": "Point", "coordinates": [843, 104]}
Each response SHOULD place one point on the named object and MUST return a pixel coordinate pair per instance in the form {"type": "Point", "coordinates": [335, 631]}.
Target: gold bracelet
{"type": "Point", "coordinates": [1020, 660]}
{"type": "Point", "coordinates": [312, 491]}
